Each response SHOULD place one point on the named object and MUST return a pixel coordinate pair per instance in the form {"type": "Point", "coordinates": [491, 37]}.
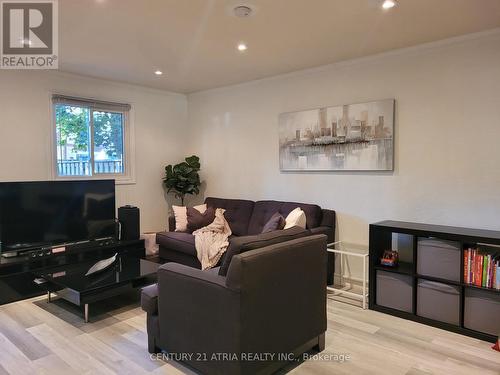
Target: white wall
{"type": "Point", "coordinates": [447, 135]}
{"type": "Point", "coordinates": [25, 125]}
{"type": "Point", "coordinates": [447, 166]}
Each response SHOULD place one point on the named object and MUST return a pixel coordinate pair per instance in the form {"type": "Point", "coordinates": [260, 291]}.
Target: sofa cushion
{"type": "Point", "coordinates": [177, 241]}
{"type": "Point", "coordinates": [180, 216]}
{"type": "Point", "coordinates": [276, 222]}
{"type": "Point", "coordinates": [263, 210]}
{"type": "Point", "coordinates": [197, 220]}
{"type": "Point", "coordinates": [296, 218]}
{"type": "Point", "coordinates": [238, 213]}
{"type": "Point", "coordinates": [238, 245]}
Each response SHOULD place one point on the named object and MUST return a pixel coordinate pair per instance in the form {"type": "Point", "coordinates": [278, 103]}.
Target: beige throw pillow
{"type": "Point", "coordinates": [296, 218]}
{"type": "Point", "coordinates": [180, 214]}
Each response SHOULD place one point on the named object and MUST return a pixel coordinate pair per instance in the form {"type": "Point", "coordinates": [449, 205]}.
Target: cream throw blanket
{"type": "Point", "coordinates": [212, 241]}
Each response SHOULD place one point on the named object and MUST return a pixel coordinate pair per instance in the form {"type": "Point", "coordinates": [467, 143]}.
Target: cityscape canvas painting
{"type": "Point", "coordinates": [354, 137]}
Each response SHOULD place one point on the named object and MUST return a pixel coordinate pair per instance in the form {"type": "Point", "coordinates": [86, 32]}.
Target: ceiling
{"type": "Point", "coordinates": [194, 41]}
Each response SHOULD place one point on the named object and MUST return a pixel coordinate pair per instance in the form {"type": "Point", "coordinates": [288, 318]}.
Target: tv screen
{"type": "Point", "coordinates": [34, 214]}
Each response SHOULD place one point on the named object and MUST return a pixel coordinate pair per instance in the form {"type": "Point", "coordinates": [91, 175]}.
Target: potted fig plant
{"type": "Point", "coordinates": [183, 178]}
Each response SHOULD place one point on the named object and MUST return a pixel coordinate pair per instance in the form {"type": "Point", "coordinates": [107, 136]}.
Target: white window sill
{"type": "Point", "coordinates": [125, 181]}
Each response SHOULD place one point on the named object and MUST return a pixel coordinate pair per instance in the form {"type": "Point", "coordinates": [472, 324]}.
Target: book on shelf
{"type": "Point", "coordinates": [482, 268]}
{"type": "Point", "coordinates": [497, 277]}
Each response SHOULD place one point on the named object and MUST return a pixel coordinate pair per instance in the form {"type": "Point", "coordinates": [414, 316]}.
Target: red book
{"type": "Point", "coordinates": [466, 261]}
{"type": "Point", "coordinates": [478, 278]}
{"type": "Point", "coordinates": [472, 274]}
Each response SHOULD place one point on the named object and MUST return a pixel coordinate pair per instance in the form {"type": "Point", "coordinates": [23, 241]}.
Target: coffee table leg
{"type": "Point", "coordinates": [86, 309]}
{"type": "Point", "coordinates": [48, 297]}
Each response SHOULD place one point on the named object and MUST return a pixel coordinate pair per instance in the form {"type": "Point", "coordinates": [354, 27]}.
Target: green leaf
{"type": "Point", "coordinates": [194, 162]}
{"type": "Point", "coordinates": [183, 178]}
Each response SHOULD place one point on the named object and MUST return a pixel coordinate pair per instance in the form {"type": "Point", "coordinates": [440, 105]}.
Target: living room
{"type": "Point", "coordinates": [257, 90]}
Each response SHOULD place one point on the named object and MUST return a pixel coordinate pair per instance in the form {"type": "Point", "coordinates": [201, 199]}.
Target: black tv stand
{"type": "Point", "coordinates": [43, 250]}
{"type": "Point", "coordinates": [17, 273]}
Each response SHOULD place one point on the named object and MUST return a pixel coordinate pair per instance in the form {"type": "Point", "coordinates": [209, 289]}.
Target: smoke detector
{"type": "Point", "coordinates": [242, 11]}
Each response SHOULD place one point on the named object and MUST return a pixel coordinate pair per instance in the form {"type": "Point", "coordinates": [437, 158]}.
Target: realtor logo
{"type": "Point", "coordinates": [29, 34]}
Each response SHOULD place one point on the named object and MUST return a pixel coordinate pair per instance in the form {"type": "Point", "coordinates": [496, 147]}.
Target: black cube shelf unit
{"type": "Point", "coordinates": [410, 292]}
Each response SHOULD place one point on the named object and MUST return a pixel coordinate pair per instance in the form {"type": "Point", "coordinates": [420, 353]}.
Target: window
{"type": "Point", "coordinates": [91, 139]}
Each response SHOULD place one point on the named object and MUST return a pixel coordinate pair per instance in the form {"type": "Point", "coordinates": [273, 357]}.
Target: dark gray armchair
{"type": "Point", "coordinates": [271, 303]}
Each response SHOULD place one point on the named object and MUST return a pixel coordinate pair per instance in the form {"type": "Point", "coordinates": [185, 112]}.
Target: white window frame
{"type": "Point", "coordinates": [128, 175]}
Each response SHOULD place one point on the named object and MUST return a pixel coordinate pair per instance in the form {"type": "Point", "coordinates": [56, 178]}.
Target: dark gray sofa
{"type": "Point", "coordinates": [246, 219]}
{"type": "Point", "coordinates": [258, 309]}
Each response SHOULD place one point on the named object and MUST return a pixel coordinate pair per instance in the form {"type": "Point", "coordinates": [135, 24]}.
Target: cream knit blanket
{"type": "Point", "coordinates": [212, 241]}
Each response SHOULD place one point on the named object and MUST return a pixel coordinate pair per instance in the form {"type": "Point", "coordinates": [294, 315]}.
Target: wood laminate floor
{"type": "Point", "coordinates": [41, 338]}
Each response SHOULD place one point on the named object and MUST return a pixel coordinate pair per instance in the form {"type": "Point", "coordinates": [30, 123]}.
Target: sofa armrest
{"type": "Point", "coordinates": [171, 223]}
{"type": "Point", "coordinates": [283, 293]}
{"type": "Point", "coordinates": [181, 272]}
{"type": "Point", "coordinates": [328, 219]}
{"type": "Point", "coordinates": [330, 234]}
{"type": "Point", "coordinates": [327, 231]}
{"type": "Point", "coordinates": [197, 312]}
{"type": "Point", "coordinates": [149, 299]}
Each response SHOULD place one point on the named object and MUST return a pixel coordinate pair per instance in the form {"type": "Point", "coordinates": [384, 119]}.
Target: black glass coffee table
{"type": "Point", "coordinates": [70, 283]}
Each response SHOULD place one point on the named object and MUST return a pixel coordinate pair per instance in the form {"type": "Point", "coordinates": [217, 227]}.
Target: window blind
{"type": "Point", "coordinates": [98, 105]}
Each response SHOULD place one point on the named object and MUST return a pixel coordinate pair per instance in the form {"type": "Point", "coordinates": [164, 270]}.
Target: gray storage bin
{"type": "Point", "coordinates": [394, 291]}
{"type": "Point", "coordinates": [482, 311]}
{"type": "Point", "coordinates": [439, 258]}
{"type": "Point", "coordinates": [438, 301]}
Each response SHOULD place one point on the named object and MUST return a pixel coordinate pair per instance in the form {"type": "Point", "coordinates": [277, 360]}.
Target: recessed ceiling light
{"type": "Point", "coordinates": [242, 47]}
{"type": "Point", "coordinates": [158, 72]}
{"type": "Point", "coordinates": [388, 4]}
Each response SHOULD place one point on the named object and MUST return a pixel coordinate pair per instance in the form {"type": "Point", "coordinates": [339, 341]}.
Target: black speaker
{"type": "Point", "coordinates": [129, 219]}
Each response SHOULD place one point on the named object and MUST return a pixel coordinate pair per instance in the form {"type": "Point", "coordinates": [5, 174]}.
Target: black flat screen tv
{"type": "Point", "coordinates": [48, 213]}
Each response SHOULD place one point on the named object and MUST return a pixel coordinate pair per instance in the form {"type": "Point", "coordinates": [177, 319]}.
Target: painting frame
{"type": "Point", "coordinates": [337, 141]}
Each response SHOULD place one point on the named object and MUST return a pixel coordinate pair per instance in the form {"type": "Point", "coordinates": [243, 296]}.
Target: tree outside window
{"type": "Point", "coordinates": [89, 142]}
